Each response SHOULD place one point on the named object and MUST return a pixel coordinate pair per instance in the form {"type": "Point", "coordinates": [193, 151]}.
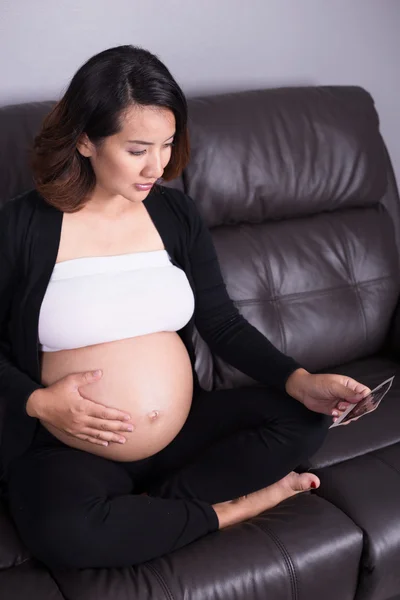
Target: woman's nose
{"type": "Point", "coordinates": [154, 167]}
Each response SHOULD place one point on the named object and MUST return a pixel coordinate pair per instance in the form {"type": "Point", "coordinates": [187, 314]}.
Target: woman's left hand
{"type": "Point", "coordinates": [325, 393]}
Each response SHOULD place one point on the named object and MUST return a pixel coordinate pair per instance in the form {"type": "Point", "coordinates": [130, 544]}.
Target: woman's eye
{"type": "Point", "coordinates": [143, 151]}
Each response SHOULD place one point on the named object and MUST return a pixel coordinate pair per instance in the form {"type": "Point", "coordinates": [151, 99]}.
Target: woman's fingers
{"type": "Point", "coordinates": [356, 386]}
{"type": "Point", "coordinates": [104, 412]}
{"type": "Point", "coordinates": [87, 438]}
{"type": "Point", "coordinates": [337, 413]}
{"type": "Point", "coordinates": [346, 422]}
{"type": "Point", "coordinates": [351, 420]}
{"type": "Point", "coordinates": [105, 425]}
{"type": "Point", "coordinates": [105, 436]}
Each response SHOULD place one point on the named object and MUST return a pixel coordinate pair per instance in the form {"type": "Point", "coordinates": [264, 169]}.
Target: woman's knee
{"type": "Point", "coordinates": [55, 539]}
{"type": "Point", "coordinates": [313, 429]}
{"type": "Point", "coordinates": [300, 428]}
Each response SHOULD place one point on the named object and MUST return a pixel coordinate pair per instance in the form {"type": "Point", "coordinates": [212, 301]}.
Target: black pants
{"type": "Point", "coordinates": [75, 509]}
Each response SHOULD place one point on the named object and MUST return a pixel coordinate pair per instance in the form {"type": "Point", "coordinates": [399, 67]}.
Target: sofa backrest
{"type": "Point", "coordinates": [298, 191]}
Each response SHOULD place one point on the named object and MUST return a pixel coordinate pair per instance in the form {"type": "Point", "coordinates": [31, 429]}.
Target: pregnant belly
{"type": "Point", "coordinates": [150, 377]}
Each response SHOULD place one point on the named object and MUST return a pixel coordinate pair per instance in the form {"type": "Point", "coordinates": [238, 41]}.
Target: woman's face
{"type": "Point", "coordinates": [121, 162]}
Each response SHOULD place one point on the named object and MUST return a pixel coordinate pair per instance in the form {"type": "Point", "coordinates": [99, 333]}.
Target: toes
{"type": "Point", "coordinates": [305, 481]}
{"type": "Point", "coordinates": [313, 482]}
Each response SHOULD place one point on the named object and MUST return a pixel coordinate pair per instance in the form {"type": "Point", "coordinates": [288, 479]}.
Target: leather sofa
{"type": "Point", "coordinates": [298, 190]}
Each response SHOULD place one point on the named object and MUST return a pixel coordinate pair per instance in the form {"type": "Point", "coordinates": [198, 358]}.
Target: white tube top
{"type": "Point", "coordinates": [106, 298]}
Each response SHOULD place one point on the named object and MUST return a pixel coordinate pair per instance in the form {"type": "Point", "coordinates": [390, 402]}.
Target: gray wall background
{"type": "Point", "coordinates": [211, 45]}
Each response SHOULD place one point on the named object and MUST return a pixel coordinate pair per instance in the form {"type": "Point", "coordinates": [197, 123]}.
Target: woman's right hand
{"type": "Point", "coordinates": [62, 405]}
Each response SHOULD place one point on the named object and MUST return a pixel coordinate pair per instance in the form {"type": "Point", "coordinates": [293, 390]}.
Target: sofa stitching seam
{"type": "Point", "coordinates": [23, 561]}
{"type": "Point", "coordinates": [163, 584]}
{"type": "Point", "coordinates": [269, 275]}
{"type": "Point", "coordinates": [327, 291]}
{"type": "Point", "coordinates": [356, 288]}
{"type": "Point", "coordinates": [270, 279]}
{"type": "Point", "coordinates": [286, 557]}
{"type": "Point", "coordinates": [385, 462]}
{"type": "Point", "coordinates": [56, 583]}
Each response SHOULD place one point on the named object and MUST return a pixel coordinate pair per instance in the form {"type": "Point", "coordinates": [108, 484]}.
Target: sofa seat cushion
{"type": "Point", "coordinates": [280, 554]}
{"type": "Point", "coordinates": [12, 550]}
{"type": "Point", "coordinates": [367, 489]}
{"type": "Point", "coordinates": [376, 430]}
{"type": "Point", "coordinates": [29, 581]}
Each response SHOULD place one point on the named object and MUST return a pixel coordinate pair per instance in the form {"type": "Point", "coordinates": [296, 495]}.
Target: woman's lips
{"type": "Point", "coordinates": [143, 188]}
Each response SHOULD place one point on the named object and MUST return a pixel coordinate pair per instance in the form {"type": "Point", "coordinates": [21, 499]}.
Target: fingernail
{"type": "Point", "coordinates": [130, 428]}
{"type": "Point", "coordinates": [313, 485]}
{"type": "Point", "coordinates": [97, 372]}
{"type": "Point", "coordinates": [105, 443]}
{"type": "Point", "coordinates": [122, 440]}
{"type": "Point", "coordinates": [335, 413]}
{"type": "Point", "coordinates": [127, 417]}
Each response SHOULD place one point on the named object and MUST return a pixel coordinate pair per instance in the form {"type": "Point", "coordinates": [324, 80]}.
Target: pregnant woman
{"type": "Point", "coordinates": [112, 453]}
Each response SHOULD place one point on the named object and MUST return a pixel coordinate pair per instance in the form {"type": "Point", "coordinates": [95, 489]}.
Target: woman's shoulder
{"type": "Point", "coordinates": [22, 205]}
{"type": "Point", "coordinates": [17, 216]}
{"type": "Point", "coordinates": [179, 201]}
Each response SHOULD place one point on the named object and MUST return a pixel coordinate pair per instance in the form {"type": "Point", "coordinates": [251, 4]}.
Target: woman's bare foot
{"type": "Point", "coordinates": [245, 507]}
{"type": "Point", "coordinates": [292, 484]}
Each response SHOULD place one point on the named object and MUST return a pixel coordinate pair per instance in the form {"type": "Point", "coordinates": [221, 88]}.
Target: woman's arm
{"type": "Point", "coordinates": [223, 328]}
{"type": "Point", "coordinates": [15, 385]}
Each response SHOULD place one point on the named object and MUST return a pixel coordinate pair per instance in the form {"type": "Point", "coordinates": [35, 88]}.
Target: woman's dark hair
{"type": "Point", "coordinates": [95, 100]}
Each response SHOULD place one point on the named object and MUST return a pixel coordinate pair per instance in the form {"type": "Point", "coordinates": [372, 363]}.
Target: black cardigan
{"type": "Point", "coordinates": [29, 238]}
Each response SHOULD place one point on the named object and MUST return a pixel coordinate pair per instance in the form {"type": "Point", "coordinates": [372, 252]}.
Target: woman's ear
{"type": "Point", "coordinates": [85, 146]}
